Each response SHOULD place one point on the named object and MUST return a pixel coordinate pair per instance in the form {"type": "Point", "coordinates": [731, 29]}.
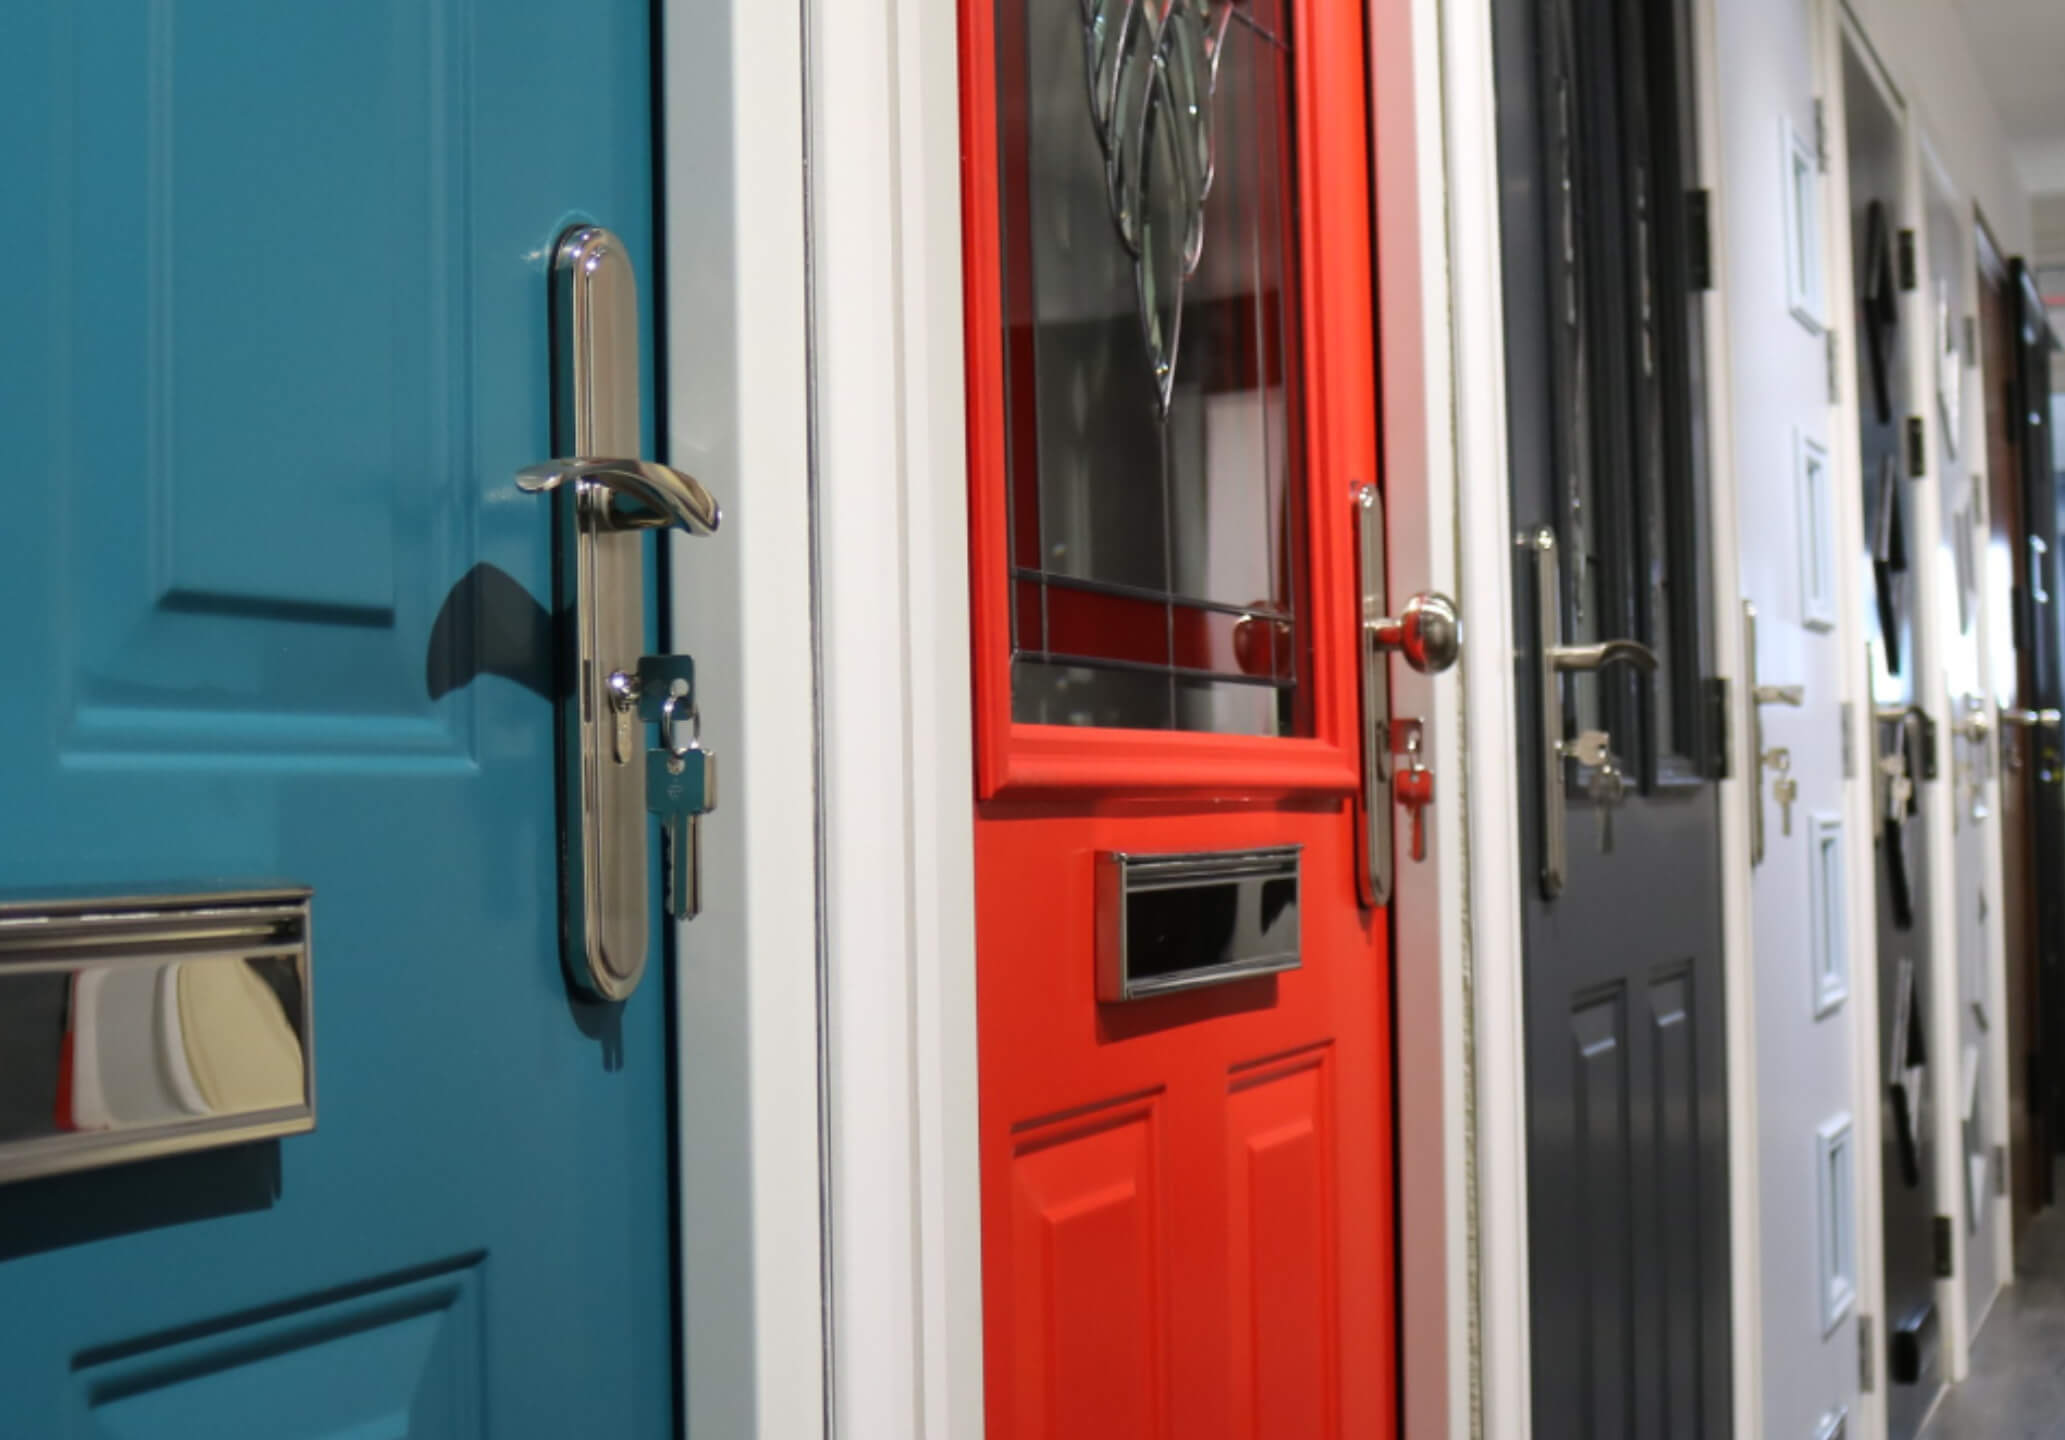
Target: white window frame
{"type": "Point", "coordinates": [1828, 937]}
{"type": "Point", "coordinates": [1813, 485]}
{"type": "Point", "coordinates": [1835, 1239]}
{"type": "Point", "coordinates": [1800, 188]}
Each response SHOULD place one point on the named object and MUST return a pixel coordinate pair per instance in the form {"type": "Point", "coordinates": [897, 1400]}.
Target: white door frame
{"type": "Point", "coordinates": [1496, 899]}
{"type": "Point", "coordinates": [1430, 933]}
{"type": "Point", "coordinates": [736, 378]}
{"type": "Point", "coordinates": [898, 803]}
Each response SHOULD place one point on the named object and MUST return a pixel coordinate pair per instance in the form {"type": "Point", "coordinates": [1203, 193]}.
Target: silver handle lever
{"type": "Point", "coordinates": [1602, 654]}
{"type": "Point", "coordinates": [1793, 695]}
{"type": "Point", "coordinates": [2030, 719]}
{"type": "Point", "coordinates": [1592, 748]}
{"type": "Point", "coordinates": [669, 496]}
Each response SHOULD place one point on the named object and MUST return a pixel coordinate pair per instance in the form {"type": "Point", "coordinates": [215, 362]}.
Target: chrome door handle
{"type": "Point", "coordinates": [1760, 758]}
{"type": "Point", "coordinates": [602, 507]}
{"type": "Point", "coordinates": [1557, 659]}
{"type": "Point", "coordinates": [1428, 636]}
{"type": "Point", "coordinates": [1977, 733]}
{"type": "Point", "coordinates": [2025, 719]}
{"type": "Point", "coordinates": [669, 496]}
{"type": "Point", "coordinates": [1600, 655]}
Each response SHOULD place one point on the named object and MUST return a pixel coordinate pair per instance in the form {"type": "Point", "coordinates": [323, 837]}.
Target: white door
{"type": "Point", "coordinates": [1799, 667]}
{"type": "Point", "coordinates": [1974, 1122]}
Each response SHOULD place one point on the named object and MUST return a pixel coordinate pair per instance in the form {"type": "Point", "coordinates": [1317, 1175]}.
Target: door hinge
{"type": "Point", "coordinates": [1945, 1266]}
{"type": "Point", "coordinates": [1699, 231]}
{"type": "Point", "coordinates": [1972, 341]}
{"type": "Point", "coordinates": [1849, 745]}
{"type": "Point", "coordinates": [1835, 369]}
{"type": "Point", "coordinates": [1821, 134]}
{"type": "Point", "coordinates": [1917, 447]}
{"type": "Point", "coordinates": [1909, 279]}
{"type": "Point", "coordinates": [2000, 1169]}
{"type": "Point", "coordinates": [1718, 690]}
{"type": "Point", "coordinates": [1867, 1356]}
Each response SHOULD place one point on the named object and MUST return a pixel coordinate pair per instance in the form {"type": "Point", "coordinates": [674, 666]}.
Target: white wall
{"type": "Point", "coordinates": [1921, 44]}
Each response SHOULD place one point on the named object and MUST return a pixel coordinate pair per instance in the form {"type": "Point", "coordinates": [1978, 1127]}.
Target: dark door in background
{"type": "Point", "coordinates": [1627, 1118]}
{"type": "Point", "coordinates": [2018, 665]}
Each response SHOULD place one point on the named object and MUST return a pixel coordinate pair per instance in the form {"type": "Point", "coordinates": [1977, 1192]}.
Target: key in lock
{"type": "Point", "coordinates": [680, 789]}
{"type": "Point", "coordinates": [1607, 785]}
{"type": "Point", "coordinates": [1413, 788]}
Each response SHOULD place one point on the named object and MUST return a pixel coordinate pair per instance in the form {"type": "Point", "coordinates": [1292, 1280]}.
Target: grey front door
{"type": "Point", "coordinates": [1620, 747]}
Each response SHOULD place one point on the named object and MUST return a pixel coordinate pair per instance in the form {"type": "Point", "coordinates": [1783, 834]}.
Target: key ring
{"type": "Point", "coordinates": [695, 727]}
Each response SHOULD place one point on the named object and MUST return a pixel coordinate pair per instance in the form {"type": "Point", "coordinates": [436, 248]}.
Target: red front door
{"type": "Point", "coordinates": [1187, 1194]}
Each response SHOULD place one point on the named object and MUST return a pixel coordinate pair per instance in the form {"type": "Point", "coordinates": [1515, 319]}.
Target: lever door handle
{"type": "Point", "coordinates": [670, 497]}
{"type": "Point", "coordinates": [1761, 695]}
{"type": "Point", "coordinates": [1602, 654]}
{"type": "Point", "coordinates": [1556, 660]}
{"type": "Point", "coordinates": [601, 507]}
{"type": "Point", "coordinates": [2030, 719]}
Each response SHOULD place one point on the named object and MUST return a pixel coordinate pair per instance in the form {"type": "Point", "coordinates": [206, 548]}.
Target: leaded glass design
{"type": "Point", "coordinates": [1152, 359]}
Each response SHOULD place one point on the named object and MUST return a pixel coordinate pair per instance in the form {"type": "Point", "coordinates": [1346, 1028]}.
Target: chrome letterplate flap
{"type": "Point", "coordinates": [1181, 922]}
{"type": "Point", "coordinates": [143, 1025]}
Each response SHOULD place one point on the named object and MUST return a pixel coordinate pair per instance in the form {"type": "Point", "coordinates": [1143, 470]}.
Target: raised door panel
{"type": "Point", "coordinates": [402, 1360]}
{"type": "Point", "coordinates": [1601, 1157]}
{"type": "Point", "coordinates": [1676, 1343]}
{"type": "Point", "coordinates": [290, 423]}
{"type": "Point", "coordinates": [1089, 1335]}
{"type": "Point", "coordinates": [1281, 1267]}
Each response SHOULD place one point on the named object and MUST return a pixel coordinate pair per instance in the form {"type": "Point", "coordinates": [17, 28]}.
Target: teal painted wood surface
{"type": "Point", "coordinates": [274, 345]}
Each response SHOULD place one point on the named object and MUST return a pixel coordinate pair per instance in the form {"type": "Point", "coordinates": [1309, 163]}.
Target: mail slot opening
{"type": "Point", "coordinates": [1181, 922]}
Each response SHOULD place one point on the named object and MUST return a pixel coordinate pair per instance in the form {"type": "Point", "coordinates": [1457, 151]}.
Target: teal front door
{"type": "Point", "coordinates": [274, 346]}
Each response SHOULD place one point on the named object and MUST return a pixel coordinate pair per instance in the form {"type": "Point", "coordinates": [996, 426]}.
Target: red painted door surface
{"type": "Point", "coordinates": [1187, 1200]}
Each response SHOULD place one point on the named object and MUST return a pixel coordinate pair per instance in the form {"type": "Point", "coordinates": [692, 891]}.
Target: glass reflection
{"type": "Point", "coordinates": [143, 1046]}
{"type": "Point", "coordinates": [1151, 349]}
